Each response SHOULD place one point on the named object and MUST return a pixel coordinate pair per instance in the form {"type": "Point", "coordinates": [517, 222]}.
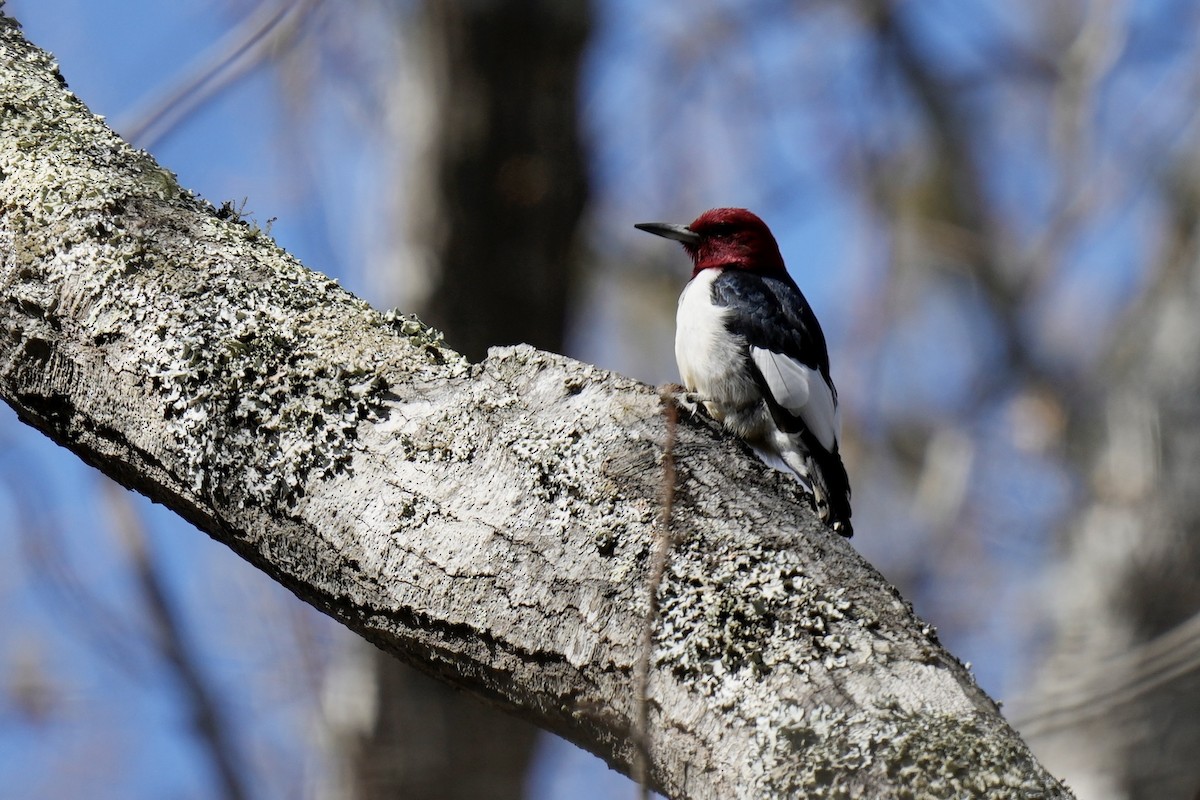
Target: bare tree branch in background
{"type": "Point", "coordinates": [209, 719]}
{"type": "Point", "coordinates": [268, 28]}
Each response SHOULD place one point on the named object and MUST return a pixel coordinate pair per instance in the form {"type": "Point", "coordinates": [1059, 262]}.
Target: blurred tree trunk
{"type": "Point", "coordinates": [1117, 711]}
{"type": "Point", "coordinates": [505, 187]}
{"type": "Point", "coordinates": [510, 180]}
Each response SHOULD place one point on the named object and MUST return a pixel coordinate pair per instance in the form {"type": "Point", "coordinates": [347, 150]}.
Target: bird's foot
{"type": "Point", "coordinates": [691, 402]}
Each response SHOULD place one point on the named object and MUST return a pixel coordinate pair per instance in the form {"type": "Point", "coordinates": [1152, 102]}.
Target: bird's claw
{"type": "Point", "coordinates": [691, 402]}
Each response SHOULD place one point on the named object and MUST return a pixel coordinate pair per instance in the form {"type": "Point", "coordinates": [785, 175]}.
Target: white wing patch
{"type": "Point", "coordinates": [802, 391]}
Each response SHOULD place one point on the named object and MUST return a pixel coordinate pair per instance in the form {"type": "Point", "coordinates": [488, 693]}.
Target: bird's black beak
{"type": "Point", "coordinates": [680, 233]}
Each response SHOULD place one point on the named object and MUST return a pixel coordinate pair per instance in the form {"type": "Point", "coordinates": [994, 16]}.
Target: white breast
{"type": "Point", "coordinates": [711, 359]}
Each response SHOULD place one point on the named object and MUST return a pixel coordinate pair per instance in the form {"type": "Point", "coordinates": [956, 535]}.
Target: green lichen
{"type": "Point", "coordinates": [923, 756]}
{"type": "Point", "coordinates": [429, 340]}
{"type": "Point", "coordinates": [739, 614]}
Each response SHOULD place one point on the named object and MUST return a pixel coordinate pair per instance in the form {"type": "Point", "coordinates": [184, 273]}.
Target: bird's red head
{"type": "Point", "coordinates": [725, 237]}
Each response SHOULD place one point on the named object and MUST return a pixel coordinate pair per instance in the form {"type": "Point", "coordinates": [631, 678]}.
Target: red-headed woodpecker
{"type": "Point", "coordinates": [751, 350]}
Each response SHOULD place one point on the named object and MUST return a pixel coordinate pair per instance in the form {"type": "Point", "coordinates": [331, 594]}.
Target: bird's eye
{"type": "Point", "coordinates": [720, 229]}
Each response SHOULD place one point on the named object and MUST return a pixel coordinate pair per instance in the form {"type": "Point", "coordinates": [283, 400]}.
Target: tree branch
{"type": "Point", "coordinates": [491, 523]}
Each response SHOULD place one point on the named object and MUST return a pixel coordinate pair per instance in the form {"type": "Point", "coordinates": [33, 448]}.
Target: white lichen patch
{"type": "Point", "coordinates": [256, 378]}
{"type": "Point", "coordinates": [787, 742]}
{"type": "Point", "coordinates": [239, 375]}
{"type": "Point", "coordinates": [744, 613]}
{"type": "Point", "coordinates": [554, 464]}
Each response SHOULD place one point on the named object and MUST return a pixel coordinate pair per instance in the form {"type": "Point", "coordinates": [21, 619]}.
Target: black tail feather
{"type": "Point", "coordinates": [830, 475]}
{"type": "Point", "coordinates": [830, 483]}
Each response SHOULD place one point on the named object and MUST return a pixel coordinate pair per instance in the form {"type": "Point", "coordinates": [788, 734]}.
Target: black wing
{"type": "Point", "coordinates": [773, 314]}
{"type": "Point", "coordinates": [789, 359]}
{"type": "Point", "coordinates": [786, 349]}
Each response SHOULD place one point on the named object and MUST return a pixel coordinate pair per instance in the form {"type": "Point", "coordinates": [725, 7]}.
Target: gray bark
{"type": "Point", "coordinates": [490, 523]}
